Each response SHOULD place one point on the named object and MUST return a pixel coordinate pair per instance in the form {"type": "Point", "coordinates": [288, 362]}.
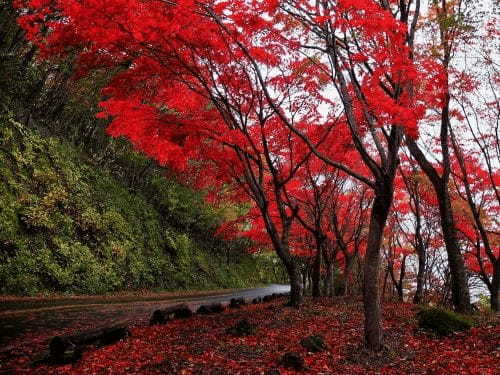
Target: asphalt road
{"type": "Point", "coordinates": [19, 328]}
{"type": "Point", "coordinates": [248, 294]}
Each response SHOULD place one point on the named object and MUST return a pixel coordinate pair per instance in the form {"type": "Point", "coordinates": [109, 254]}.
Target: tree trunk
{"type": "Point", "coordinates": [459, 284]}
{"type": "Point", "coordinates": [294, 279]}
{"type": "Point", "coordinates": [397, 287]}
{"type": "Point", "coordinates": [371, 290]}
{"type": "Point", "coordinates": [349, 262]}
{"type": "Point", "coordinates": [417, 298]}
{"type": "Point", "coordinates": [328, 279]}
{"type": "Point", "coordinates": [295, 285]}
{"type": "Point", "coordinates": [316, 271]}
{"type": "Point", "coordinates": [446, 290]}
{"type": "Point", "coordinates": [384, 288]}
{"type": "Point", "coordinates": [291, 267]}
{"type": "Point", "coordinates": [402, 273]}
{"type": "Point", "coordinates": [495, 288]}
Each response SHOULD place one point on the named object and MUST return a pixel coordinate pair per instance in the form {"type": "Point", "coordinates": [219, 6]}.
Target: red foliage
{"type": "Point", "coordinates": [226, 92]}
{"type": "Point", "coordinates": [201, 346]}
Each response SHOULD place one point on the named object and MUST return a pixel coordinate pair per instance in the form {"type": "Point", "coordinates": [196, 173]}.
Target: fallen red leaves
{"type": "Point", "coordinates": [200, 345]}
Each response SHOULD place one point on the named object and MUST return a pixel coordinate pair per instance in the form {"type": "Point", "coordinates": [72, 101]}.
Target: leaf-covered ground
{"type": "Point", "coordinates": [200, 345]}
{"type": "Point", "coordinates": [25, 318]}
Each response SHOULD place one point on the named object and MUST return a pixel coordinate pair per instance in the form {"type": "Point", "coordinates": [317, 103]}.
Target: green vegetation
{"type": "Point", "coordinates": [443, 322]}
{"type": "Point", "coordinates": [81, 212]}
{"type": "Point", "coordinates": [69, 226]}
{"type": "Point", "coordinates": [484, 303]}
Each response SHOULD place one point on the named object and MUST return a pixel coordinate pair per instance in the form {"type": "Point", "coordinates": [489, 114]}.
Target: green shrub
{"type": "Point", "coordinates": [442, 322]}
{"type": "Point", "coordinates": [484, 303]}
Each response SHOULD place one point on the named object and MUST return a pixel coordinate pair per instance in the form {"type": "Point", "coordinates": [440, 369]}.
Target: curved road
{"type": "Point", "coordinates": [248, 294]}
{"type": "Point", "coordinates": [20, 327]}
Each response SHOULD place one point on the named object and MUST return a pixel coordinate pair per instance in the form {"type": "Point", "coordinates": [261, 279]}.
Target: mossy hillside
{"type": "Point", "coordinates": [67, 225]}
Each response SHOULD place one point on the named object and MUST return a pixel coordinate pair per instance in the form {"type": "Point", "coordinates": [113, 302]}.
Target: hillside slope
{"type": "Point", "coordinates": [69, 225]}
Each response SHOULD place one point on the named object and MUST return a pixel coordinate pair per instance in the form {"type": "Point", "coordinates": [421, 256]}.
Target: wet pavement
{"type": "Point", "coordinates": [19, 328]}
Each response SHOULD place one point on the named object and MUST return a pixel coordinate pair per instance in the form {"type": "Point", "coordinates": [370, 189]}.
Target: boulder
{"type": "Point", "coordinates": [293, 360]}
{"type": "Point", "coordinates": [162, 316]}
{"type": "Point", "coordinates": [214, 308]}
{"type": "Point", "coordinates": [314, 343]}
{"type": "Point", "coordinates": [237, 303]}
{"type": "Point", "coordinates": [267, 298]}
{"type": "Point", "coordinates": [242, 328]}
{"type": "Point", "coordinates": [69, 348]}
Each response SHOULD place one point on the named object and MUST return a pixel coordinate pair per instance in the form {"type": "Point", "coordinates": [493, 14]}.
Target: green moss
{"type": "Point", "coordinates": [443, 322]}
{"type": "Point", "coordinates": [67, 226]}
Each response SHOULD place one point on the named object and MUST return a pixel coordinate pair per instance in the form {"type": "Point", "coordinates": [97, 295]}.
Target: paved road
{"type": "Point", "coordinates": [248, 294]}
{"type": "Point", "coordinates": [20, 328]}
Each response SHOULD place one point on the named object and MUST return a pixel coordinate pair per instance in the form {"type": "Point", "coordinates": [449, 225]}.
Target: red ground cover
{"type": "Point", "coordinates": [200, 345]}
